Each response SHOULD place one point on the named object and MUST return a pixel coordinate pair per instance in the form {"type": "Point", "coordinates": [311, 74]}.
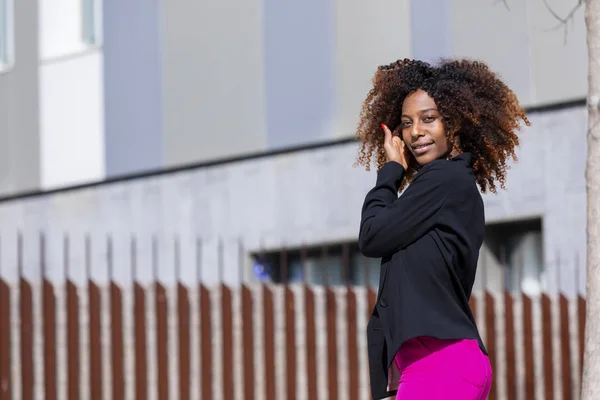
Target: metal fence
{"type": "Point", "coordinates": [187, 339]}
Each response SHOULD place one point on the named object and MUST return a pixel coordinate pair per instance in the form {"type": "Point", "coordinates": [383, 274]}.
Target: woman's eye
{"type": "Point", "coordinates": [429, 119]}
{"type": "Point", "coordinates": [404, 124]}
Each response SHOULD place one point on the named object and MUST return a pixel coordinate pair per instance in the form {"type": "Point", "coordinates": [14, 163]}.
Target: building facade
{"type": "Point", "coordinates": [95, 90]}
{"type": "Point", "coordinates": [150, 151]}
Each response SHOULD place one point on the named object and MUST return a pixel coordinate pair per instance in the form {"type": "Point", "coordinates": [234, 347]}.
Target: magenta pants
{"type": "Point", "coordinates": [443, 369]}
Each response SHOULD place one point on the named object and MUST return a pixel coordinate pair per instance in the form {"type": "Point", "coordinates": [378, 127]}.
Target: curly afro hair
{"type": "Point", "coordinates": [475, 104]}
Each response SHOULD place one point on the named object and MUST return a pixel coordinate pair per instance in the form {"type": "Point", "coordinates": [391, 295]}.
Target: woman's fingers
{"type": "Point", "coordinates": [398, 142]}
{"type": "Point", "coordinates": [387, 133]}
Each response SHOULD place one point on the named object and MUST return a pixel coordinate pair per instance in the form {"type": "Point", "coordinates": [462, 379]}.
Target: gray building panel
{"type": "Point", "coordinates": [19, 104]}
{"type": "Point", "coordinates": [430, 29]}
{"type": "Point", "coordinates": [132, 87]}
{"type": "Point", "coordinates": [213, 79]}
{"type": "Point", "coordinates": [300, 77]}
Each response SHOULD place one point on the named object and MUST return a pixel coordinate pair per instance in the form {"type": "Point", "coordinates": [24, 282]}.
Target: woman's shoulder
{"type": "Point", "coordinates": [446, 171]}
{"type": "Point", "coordinates": [448, 176]}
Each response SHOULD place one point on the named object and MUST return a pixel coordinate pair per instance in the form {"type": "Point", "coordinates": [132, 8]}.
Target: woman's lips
{"type": "Point", "coordinates": [422, 148]}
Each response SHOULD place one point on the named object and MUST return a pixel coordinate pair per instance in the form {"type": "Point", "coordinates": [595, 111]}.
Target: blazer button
{"type": "Point", "coordinates": [383, 302]}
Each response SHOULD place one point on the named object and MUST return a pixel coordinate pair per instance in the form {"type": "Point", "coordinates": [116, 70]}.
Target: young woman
{"type": "Point", "coordinates": [448, 130]}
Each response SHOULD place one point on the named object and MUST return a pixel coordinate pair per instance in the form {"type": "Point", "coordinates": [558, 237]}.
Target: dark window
{"type": "Point", "coordinates": [513, 257]}
{"type": "Point", "coordinates": [331, 264]}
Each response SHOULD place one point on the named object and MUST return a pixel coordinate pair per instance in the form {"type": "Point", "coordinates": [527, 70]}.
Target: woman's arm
{"type": "Point", "coordinates": [389, 222]}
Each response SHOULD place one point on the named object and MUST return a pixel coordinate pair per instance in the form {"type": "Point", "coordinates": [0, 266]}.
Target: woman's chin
{"type": "Point", "coordinates": [424, 159]}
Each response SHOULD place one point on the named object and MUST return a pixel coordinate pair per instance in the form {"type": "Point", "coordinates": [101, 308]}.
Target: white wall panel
{"type": "Point", "coordinates": [61, 27]}
{"type": "Point", "coordinates": [71, 121]}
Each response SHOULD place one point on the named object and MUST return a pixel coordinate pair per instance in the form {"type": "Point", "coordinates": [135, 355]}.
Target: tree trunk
{"type": "Point", "coordinates": [591, 367]}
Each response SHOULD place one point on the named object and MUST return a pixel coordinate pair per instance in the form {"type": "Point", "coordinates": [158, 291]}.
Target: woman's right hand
{"type": "Point", "coordinates": [395, 149]}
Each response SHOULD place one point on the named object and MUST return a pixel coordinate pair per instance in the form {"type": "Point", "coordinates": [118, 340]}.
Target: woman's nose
{"type": "Point", "coordinates": [415, 131]}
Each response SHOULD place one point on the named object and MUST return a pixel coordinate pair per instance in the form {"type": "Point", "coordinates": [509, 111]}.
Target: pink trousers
{"type": "Point", "coordinates": [443, 369]}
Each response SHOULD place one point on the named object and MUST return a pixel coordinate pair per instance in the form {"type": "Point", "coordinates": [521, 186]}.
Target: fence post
{"type": "Point", "coordinates": [247, 331]}
{"type": "Point", "coordinates": [139, 318]}
{"type": "Point", "coordinates": [5, 342]}
{"type": "Point", "coordinates": [183, 321]}
{"type": "Point", "coordinates": [311, 339]}
{"type": "Point", "coordinates": [73, 320]}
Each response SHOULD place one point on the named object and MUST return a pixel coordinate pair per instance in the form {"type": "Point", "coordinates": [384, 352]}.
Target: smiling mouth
{"type": "Point", "coordinates": [422, 148]}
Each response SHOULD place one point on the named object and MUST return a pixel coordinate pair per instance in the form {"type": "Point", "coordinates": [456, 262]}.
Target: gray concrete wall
{"type": "Point", "coordinates": [306, 197]}
{"type": "Point", "coordinates": [212, 79]}
{"type": "Point", "coordinates": [19, 134]}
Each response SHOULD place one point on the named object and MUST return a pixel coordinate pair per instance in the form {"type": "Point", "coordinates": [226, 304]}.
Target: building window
{"type": "Point", "coordinates": [512, 257]}
{"type": "Point", "coordinates": [89, 21]}
{"type": "Point", "coordinates": [334, 265]}
{"type": "Point", "coordinates": [68, 28]}
{"type": "Point", "coordinates": [6, 34]}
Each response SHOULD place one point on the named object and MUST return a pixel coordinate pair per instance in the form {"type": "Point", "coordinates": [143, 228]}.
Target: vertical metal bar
{"type": "Point", "coordinates": [581, 309]}
{"type": "Point", "coordinates": [26, 312]}
{"type": "Point", "coordinates": [5, 342]}
{"type": "Point", "coordinates": [95, 328]}
{"type": "Point", "coordinates": [183, 320]}
{"type": "Point", "coordinates": [269, 335]}
{"type": "Point", "coordinates": [162, 335]}
{"type": "Point", "coordinates": [248, 331]}
{"type": "Point", "coordinates": [331, 331]}
{"type": "Point", "coordinates": [565, 347]}
{"type": "Point", "coordinates": [352, 334]}
{"type": "Point", "coordinates": [509, 350]}
{"type": "Point", "coordinates": [490, 325]}
{"type": "Point", "coordinates": [311, 340]}
{"type": "Point", "coordinates": [290, 329]}
{"type": "Point", "coordinates": [116, 329]}
{"type": "Point", "coordinates": [547, 346]}
{"type": "Point", "coordinates": [528, 347]}
{"type": "Point", "coordinates": [139, 317]}
{"type": "Point", "coordinates": [206, 378]}
{"type": "Point", "coordinates": [49, 326]}
{"type": "Point", "coordinates": [227, 330]}
{"type": "Point", "coordinates": [73, 363]}
{"type": "Point", "coordinates": [580, 316]}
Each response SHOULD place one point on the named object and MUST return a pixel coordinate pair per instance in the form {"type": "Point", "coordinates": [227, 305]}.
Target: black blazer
{"type": "Point", "coordinates": [429, 240]}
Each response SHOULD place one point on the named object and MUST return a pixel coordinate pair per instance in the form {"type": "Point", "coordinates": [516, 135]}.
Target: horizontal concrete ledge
{"type": "Point", "coordinates": [245, 157]}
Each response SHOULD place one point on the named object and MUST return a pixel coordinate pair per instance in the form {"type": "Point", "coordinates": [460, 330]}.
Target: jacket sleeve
{"type": "Point", "coordinates": [390, 223]}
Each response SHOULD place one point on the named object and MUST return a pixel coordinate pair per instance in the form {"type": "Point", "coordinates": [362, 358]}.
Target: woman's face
{"type": "Point", "coordinates": [422, 128]}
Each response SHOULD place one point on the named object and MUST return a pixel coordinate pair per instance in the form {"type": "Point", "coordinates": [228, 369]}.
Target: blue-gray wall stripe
{"type": "Point", "coordinates": [430, 29]}
{"type": "Point", "coordinates": [299, 68]}
{"type": "Point", "coordinates": [132, 86]}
